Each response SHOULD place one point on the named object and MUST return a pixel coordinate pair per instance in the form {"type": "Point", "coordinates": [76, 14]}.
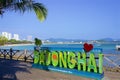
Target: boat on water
{"type": "Point", "coordinates": [118, 47]}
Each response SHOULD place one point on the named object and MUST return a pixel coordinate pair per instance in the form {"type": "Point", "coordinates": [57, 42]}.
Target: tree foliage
{"type": "Point", "coordinates": [22, 6]}
{"type": "Point", "coordinates": [38, 42]}
{"type": "Point", "coordinates": [3, 40]}
{"type": "Point", "coordinates": [13, 41]}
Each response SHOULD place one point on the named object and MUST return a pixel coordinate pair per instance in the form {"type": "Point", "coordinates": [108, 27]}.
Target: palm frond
{"type": "Point", "coordinates": [22, 6]}
{"type": "Point", "coordinates": [40, 11]}
{"type": "Point", "coordinates": [19, 5]}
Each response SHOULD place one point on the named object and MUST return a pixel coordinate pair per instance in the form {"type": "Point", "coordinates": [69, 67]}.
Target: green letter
{"type": "Point", "coordinates": [48, 58]}
{"type": "Point", "coordinates": [82, 61]}
{"type": "Point", "coordinates": [62, 59]}
{"type": "Point", "coordinates": [92, 63]}
{"type": "Point", "coordinates": [100, 63]}
{"type": "Point", "coordinates": [55, 59]}
{"type": "Point", "coordinates": [42, 58]}
{"type": "Point", "coordinates": [36, 57]}
{"type": "Point", "coordinates": [71, 60]}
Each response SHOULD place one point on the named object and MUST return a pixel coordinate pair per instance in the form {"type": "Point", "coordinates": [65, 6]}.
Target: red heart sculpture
{"type": "Point", "coordinates": [88, 47]}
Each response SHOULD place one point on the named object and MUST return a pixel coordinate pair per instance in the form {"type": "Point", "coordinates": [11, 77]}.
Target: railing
{"type": "Point", "coordinates": [23, 55]}
{"type": "Point", "coordinates": [112, 62]}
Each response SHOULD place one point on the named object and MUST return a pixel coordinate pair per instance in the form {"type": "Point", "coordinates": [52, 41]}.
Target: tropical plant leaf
{"type": "Point", "coordinates": [40, 11]}
{"type": "Point", "coordinates": [22, 6]}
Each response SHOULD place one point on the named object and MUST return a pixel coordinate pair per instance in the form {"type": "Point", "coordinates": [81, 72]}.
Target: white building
{"type": "Point", "coordinates": [16, 36]}
{"type": "Point", "coordinates": [7, 35]}
{"type": "Point", "coordinates": [4, 34]}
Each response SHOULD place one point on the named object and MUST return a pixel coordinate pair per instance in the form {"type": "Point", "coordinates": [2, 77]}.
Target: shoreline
{"type": "Point", "coordinates": [34, 44]}
{"type": "Point", "coordinates": [16, 45]}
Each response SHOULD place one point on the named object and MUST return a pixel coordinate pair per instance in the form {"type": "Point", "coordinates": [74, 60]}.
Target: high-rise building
{"type": "Point", "coordinates": [7, 35]}
{"type": "Point", "coordinates": [4, 34]}
{"type": "Point", "coordinates": [16, 36]}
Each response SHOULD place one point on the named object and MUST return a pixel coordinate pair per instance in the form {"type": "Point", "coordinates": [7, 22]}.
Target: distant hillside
{"type": "Point", "coordinates": [64, 40]}
{"type": "Point", "coordinates": [106, 39]}
{"type": "Point", "coordinates": [79, 40]}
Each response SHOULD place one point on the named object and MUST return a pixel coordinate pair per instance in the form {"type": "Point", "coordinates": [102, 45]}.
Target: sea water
{"type": "Point", "coordinates": [107, 48]}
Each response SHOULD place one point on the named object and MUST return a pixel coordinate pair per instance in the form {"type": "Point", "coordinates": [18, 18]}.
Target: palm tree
{"type": "Point", "coordinates": [38, 43]}
{"type": "Point", "coordinates": [3, 40]}
{"type": "Point", "coordinates": [22, 6]}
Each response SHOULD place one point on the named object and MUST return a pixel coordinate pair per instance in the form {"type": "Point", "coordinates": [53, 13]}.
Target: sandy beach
{"type": "Point", "coordinates": [17, 44]}
{"type": "Point", "coordinates": [19, 70]}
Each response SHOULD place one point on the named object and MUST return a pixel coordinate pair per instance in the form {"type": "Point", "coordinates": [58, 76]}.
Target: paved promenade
{"type": "Point", "coordinates": [17, 70]}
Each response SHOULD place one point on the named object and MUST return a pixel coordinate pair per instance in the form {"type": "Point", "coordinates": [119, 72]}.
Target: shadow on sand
{"type": "Point", "coordinates": [8, 69]}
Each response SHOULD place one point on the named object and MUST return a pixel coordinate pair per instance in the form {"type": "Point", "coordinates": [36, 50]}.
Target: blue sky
{"type": "Point", "coordinates": [70, 19]}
